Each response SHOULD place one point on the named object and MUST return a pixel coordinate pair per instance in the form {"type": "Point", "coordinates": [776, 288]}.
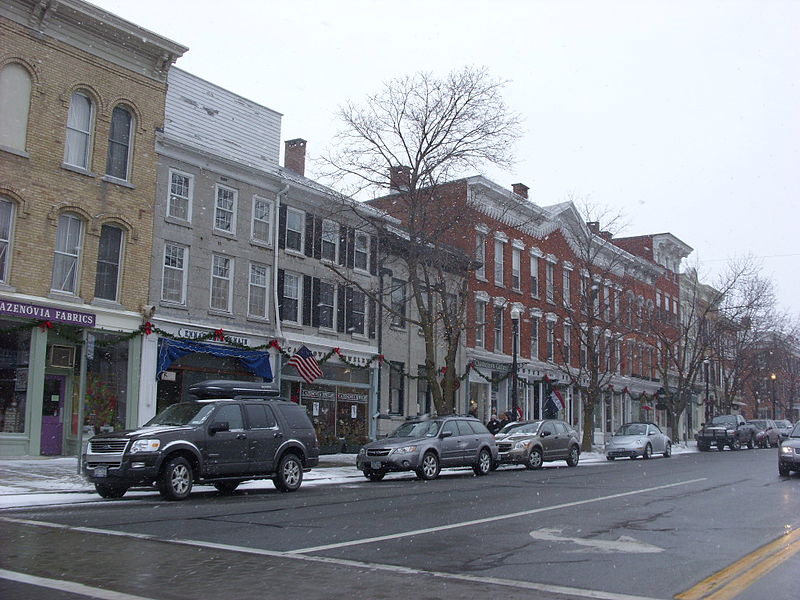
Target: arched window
{"type": "Point", "coordinates": [79, 131]}
{"type": "Point", "coordinates": [6, 229]}
{"type": "Point", "coordinates": [15, 102]}
{"type": "Point", "coordinates": [119, 143]}
{"type": "Point", "coordinates": [109, 261]}
{"type": "Point", "coordinates": [66, 261]}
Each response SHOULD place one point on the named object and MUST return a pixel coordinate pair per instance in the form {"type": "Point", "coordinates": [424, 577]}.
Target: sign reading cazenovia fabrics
{"type": "Point", "coordinates": [46, 313]}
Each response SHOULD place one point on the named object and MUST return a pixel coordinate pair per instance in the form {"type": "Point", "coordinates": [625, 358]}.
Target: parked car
{"type": "Point", "coordinates": [789, 453]}
{"type": "Point", "coordinates": [784, 427]}
{"type": "Point", "coordinates": [638, 439]}
{"type": "Point", "coordinates": [532, 443]}
{"type": "Point", "coordinates": [424, 446]}
{"type": "Point", "coordinates": [726, 430]}
{"type": "Point", "coordinates": [234, 432]}
{"type": "Point", "coordinates": [767, 433]}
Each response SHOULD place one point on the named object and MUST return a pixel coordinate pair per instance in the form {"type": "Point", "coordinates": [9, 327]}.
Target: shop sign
{"type": "Point", "coordinates": [351, 397]}
{"type": "Point", "coordinates": [194, 334]}
{"type": "Point", "coordinates": [493, 366]}
{"type": "Point", "coordinates": [47, 313]}
{"type": "Point", "coordinates": [317, 394]}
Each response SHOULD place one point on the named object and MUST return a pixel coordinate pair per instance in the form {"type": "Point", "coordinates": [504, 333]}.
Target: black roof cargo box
{"type": "Point", "coordinates": [225, 388]}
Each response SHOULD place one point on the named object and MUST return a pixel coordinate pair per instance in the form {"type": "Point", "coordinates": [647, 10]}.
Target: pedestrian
{"type": "Point", "coordinates": [493, 425]}
{"type": "Point", "coordinates": [507, 418]}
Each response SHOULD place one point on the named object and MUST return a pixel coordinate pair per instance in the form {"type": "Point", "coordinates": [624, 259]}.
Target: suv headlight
{"type": "Point", "coordinates": [145, 446]}
{"type": "Point", "coordinates": [787, 450]}
{"type": "Point", "coordinates": [404, 450]}
{"type": "Point", "coordinates": [522, 445]}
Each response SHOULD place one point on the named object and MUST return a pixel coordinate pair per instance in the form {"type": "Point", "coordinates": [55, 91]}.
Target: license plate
{"type": "Point", "coordinates": [375, 464]}
{"type": "Point", "coordinates": [101, 471]}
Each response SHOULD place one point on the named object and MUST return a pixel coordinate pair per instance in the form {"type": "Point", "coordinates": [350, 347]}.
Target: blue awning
{"type": "Point", "coordinates": [255, 361]}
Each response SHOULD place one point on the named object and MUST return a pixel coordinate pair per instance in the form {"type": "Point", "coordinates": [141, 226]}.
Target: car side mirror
{"type": "Point", "coordinates": [219, 426]}
{"type": "Point", "coordinates": [652, 433]}
{"type": "Point", "coordinates": [446, 434]}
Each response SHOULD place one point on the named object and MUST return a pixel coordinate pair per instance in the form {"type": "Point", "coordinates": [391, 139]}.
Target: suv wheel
{"type": "Point", "coordinates": [176, 479]}
{"type": "Point", "coordinates": [574, 456]}
{"type": "Point", "coordinates": [735, 444]}
{"type": "Point", "coordinates": [484, 464]}
{"type": "Point", "coordinates": [290, 473]}
{"type": "Point", "coordinates": [429, 468]}
{"type": "Point", "coordinates": [374, 475]}
{"type": "Point", "coordinates": [751, 443]}
{"type": "Point", "coordinates": [226, 487]}
{"type": "Point", "coordinates": [535, 459]}
{"type": "Point", "coordinates": [110, 491]}
{"type": "Point", "coordinates": [783, 469]}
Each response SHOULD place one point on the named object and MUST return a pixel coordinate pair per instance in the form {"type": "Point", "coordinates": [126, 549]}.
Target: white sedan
{"type": "Point", "coordinates": [638, 439]}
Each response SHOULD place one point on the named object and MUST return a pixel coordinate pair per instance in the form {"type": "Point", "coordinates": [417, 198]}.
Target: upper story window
{"type": "Point", "coordinates": [221, 282]}
{"type": "Point", "coordinates": [550, 282]}
{"type": "Point", "coordinates": [326, 305]}
{"type": "Point", "coordinates": [119, 143]}
{"type": "Point", "coordinates": [257, 296]}
{"type": "Point", "coordinates": [295, 229]}
{"type": "Point", "coordinates": [69, 239]}
{"type": "Point", "coordinates": [225, 209]}
{"type": "Point", "coordinates": [173, 279]}
{"type": "Point", "coordinates": [534, 276]}
{"type": "Point", "coordinates": [498, 328]}
{"type": "Point", "coordinates": [515, 268]}
{"type": "Point", "coordinates": [80, 119]}
{"type": "Point", "coordinates": [498, 263]}
{"type": "Point", "coordinates": [550, 340]}
{"type": "Point", "coordinates": [566, 286]}
{"type": "Point", "coordinates": [6, 228]}
{"type": "Point", "coordinates": [290, 305]}
{"type": "Point", "coordinates": [261, 230]}
{"type": "Point", "coordinates": [329, 240]}
{"type": "Point", "coordinates": [109, 262]}
{"type": "Point", "coordinates": [15, 100]}
{"type": "Point", "coordinates": [361, 249]}
{"type": "Point", "coordinates": [534, 337]}
{"type": "Point", "coordinates": [358, 317]}
{"type": "Point", "coordinates": [181, 189]}
{"type": "Point", "coordinates": [480, 255]}
{"type": "Point", "coordinates": [567, 346]}
{"type": "Point", "coordinates": [398, 299]}
{"type": "Point", "coordinates": [480, 324]}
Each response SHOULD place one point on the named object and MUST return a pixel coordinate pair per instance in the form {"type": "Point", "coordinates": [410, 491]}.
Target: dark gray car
{"type": "Point", "coordinates": [424, 446]}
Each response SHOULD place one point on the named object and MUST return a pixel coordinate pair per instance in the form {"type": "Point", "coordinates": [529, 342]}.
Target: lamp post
{"type": "Point", "coordinates": [514, 349]}
{"type": "Point", "coordinates": [772, 378]}
{"type": "Point", "coordinates": [706, 369]}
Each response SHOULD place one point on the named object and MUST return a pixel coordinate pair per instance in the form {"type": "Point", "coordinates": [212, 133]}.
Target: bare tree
{"type": "Point", "coordinates": [411, 140]}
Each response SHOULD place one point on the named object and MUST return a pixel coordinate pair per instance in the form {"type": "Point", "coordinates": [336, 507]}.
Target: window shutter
{"type": "Point", "coordinates": [373, 255]}
{"type": "Point", "coordinates": [315, 302]}
{"type": "Point", "coordinates": [343, 244]}
{"type": "Point", "coordinates": [310, 238]}
{"type": "Point", "coordinates": [340, 313]}
{"type": "Point", "coordinates": [371, 318]}
{"type": "Point", "coordinates": [317, 238]}
{"type": "Point", "coordinates": [351, 247]}
{"type": "Point", "coordinates": [306, 299]}
{"type": "Point", "coordinates": [280, 293]}
{"type": "Point", "coordinates": [282, 226]}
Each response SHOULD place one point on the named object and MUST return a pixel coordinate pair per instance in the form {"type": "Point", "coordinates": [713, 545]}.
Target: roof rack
{"type": "Point", "coordinates": [226, 388]}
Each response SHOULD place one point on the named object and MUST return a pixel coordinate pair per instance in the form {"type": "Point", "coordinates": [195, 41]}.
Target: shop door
{"type": "Point", "coordinates": [52, 415]}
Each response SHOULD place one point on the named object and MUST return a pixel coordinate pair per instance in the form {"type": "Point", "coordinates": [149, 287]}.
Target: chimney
{"type": "Point", "coordinates": [606, 235]}
{"type": "Point", "coordinates": [294, 157]}
{"type": "Point", "coordinates": [520, 189]}
{"type": "Point", "coordinates": [399, 178]}
{"type": "Point", "coordinates": [594, 227]}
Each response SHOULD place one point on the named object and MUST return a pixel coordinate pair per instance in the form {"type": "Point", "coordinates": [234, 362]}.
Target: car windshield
{"type": "Point", "coordinates": [185, 413]}
{"type": "Point", "coordinates": [419, 429]}
{"type": "Point", "coordinates": [724, 420]}
{"type": "Point", "coordinates": [632, 429]}
{"type": "Point", "coordinates": [760, 425]}
{"type": "Point", "coordinates": [796, 431]}
{"type": "Point", "coordinates": [513, 428]}
{"type": "Point", "coordinates": [783, 423]}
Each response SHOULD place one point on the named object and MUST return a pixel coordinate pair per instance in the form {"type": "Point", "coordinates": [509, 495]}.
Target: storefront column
{"type": "Point", "coordinates": [35, 395]}
{"type": "Point", "coordinates": [134, 381]}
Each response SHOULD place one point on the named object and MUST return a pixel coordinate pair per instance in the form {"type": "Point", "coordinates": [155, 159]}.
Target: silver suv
{"type": "Point", "coordinates": [426, 445]}
{"type": "Point", "coordinates": [532, 443]}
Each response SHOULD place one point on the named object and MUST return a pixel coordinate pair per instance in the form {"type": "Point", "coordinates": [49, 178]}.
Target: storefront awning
{"type": "Point", "coordinates": [255, 361]}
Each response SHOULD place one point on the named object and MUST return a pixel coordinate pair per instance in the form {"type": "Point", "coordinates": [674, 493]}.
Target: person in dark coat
{"type": "Point", "coordinates": [493, 425]}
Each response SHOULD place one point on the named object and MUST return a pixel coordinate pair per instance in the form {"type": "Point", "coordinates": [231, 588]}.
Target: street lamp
{"type": "Point", "coordinates": [515, 312]}
{"type": "Point", "coordinates": [772, 378]}
{"type": "Point", "coordinates": [706, 368]}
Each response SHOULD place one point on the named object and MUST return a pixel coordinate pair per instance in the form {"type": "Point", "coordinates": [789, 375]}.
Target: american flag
{"type": "Point", "coordinates": [303, 360]}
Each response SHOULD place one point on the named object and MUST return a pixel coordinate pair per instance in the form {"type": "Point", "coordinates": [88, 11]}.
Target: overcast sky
{"type": "Point", "coordinates": [684, 116]}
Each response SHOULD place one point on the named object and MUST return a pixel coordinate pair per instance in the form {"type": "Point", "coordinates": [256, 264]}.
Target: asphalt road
{"type": "Point", "coordinates": [652, 529]}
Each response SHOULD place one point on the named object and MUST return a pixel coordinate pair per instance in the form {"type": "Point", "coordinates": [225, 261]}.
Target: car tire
{"type": "Point", "coordinates": [484, 464]}
{"type": "Point", "coordinates": [648, 452]}
{"type": "Point", "coordinates": [574, 456]}
{"type": "Point", "coordinates": [374, 475]}
{"type": "Point", "coordinates": [703, 447]}
{"type": "Point", "coordinates": [535, 459]}
{"type": "Point", "coordinates": [429, 468]}
{"type": "Point", "coordinates": [290, 473]}
{"type": "Point", "coordinates": [610, 457]}
{"type": "Point", "coordinates": [784, 470]}
{"type": "Point", "coordinates": [751, 443]}
{"type": "Point", "coordinates": [668, 450]}
{"type": "Point", "coordinates": [175, 482]}
{"type": "Point", "coordinates": [736, 444]}
{"type": "Point", "coordinates": [110, 491]}
{"type": "Point", "coordinates": [226, 487]}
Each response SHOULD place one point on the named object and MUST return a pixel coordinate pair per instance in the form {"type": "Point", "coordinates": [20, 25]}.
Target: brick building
{"type": "Point", "coordinates": [82, 94]}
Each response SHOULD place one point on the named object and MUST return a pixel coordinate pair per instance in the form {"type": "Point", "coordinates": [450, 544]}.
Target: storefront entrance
{"type": "Point", "coordinates": [53, 415]}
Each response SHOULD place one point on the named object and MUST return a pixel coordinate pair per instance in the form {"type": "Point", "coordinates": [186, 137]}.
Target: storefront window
{"type": "Point", "coordinates": [14, 352]}
{"type": "Point", "coordinates": [106, 406]}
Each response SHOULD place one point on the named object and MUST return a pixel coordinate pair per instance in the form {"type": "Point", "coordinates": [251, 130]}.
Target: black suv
{"type": "Point", "coordinates": [234, 432]}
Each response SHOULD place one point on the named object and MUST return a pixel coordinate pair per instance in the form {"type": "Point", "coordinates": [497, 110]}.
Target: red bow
{"type": "Point", "coordinates": [45, 325]}
{"type": "Point", "coordinates": [381, 358]}
{"type": "Point", "coordinates": [219, 335]}
{"type": "Point", "coordinates": [148, 328]}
